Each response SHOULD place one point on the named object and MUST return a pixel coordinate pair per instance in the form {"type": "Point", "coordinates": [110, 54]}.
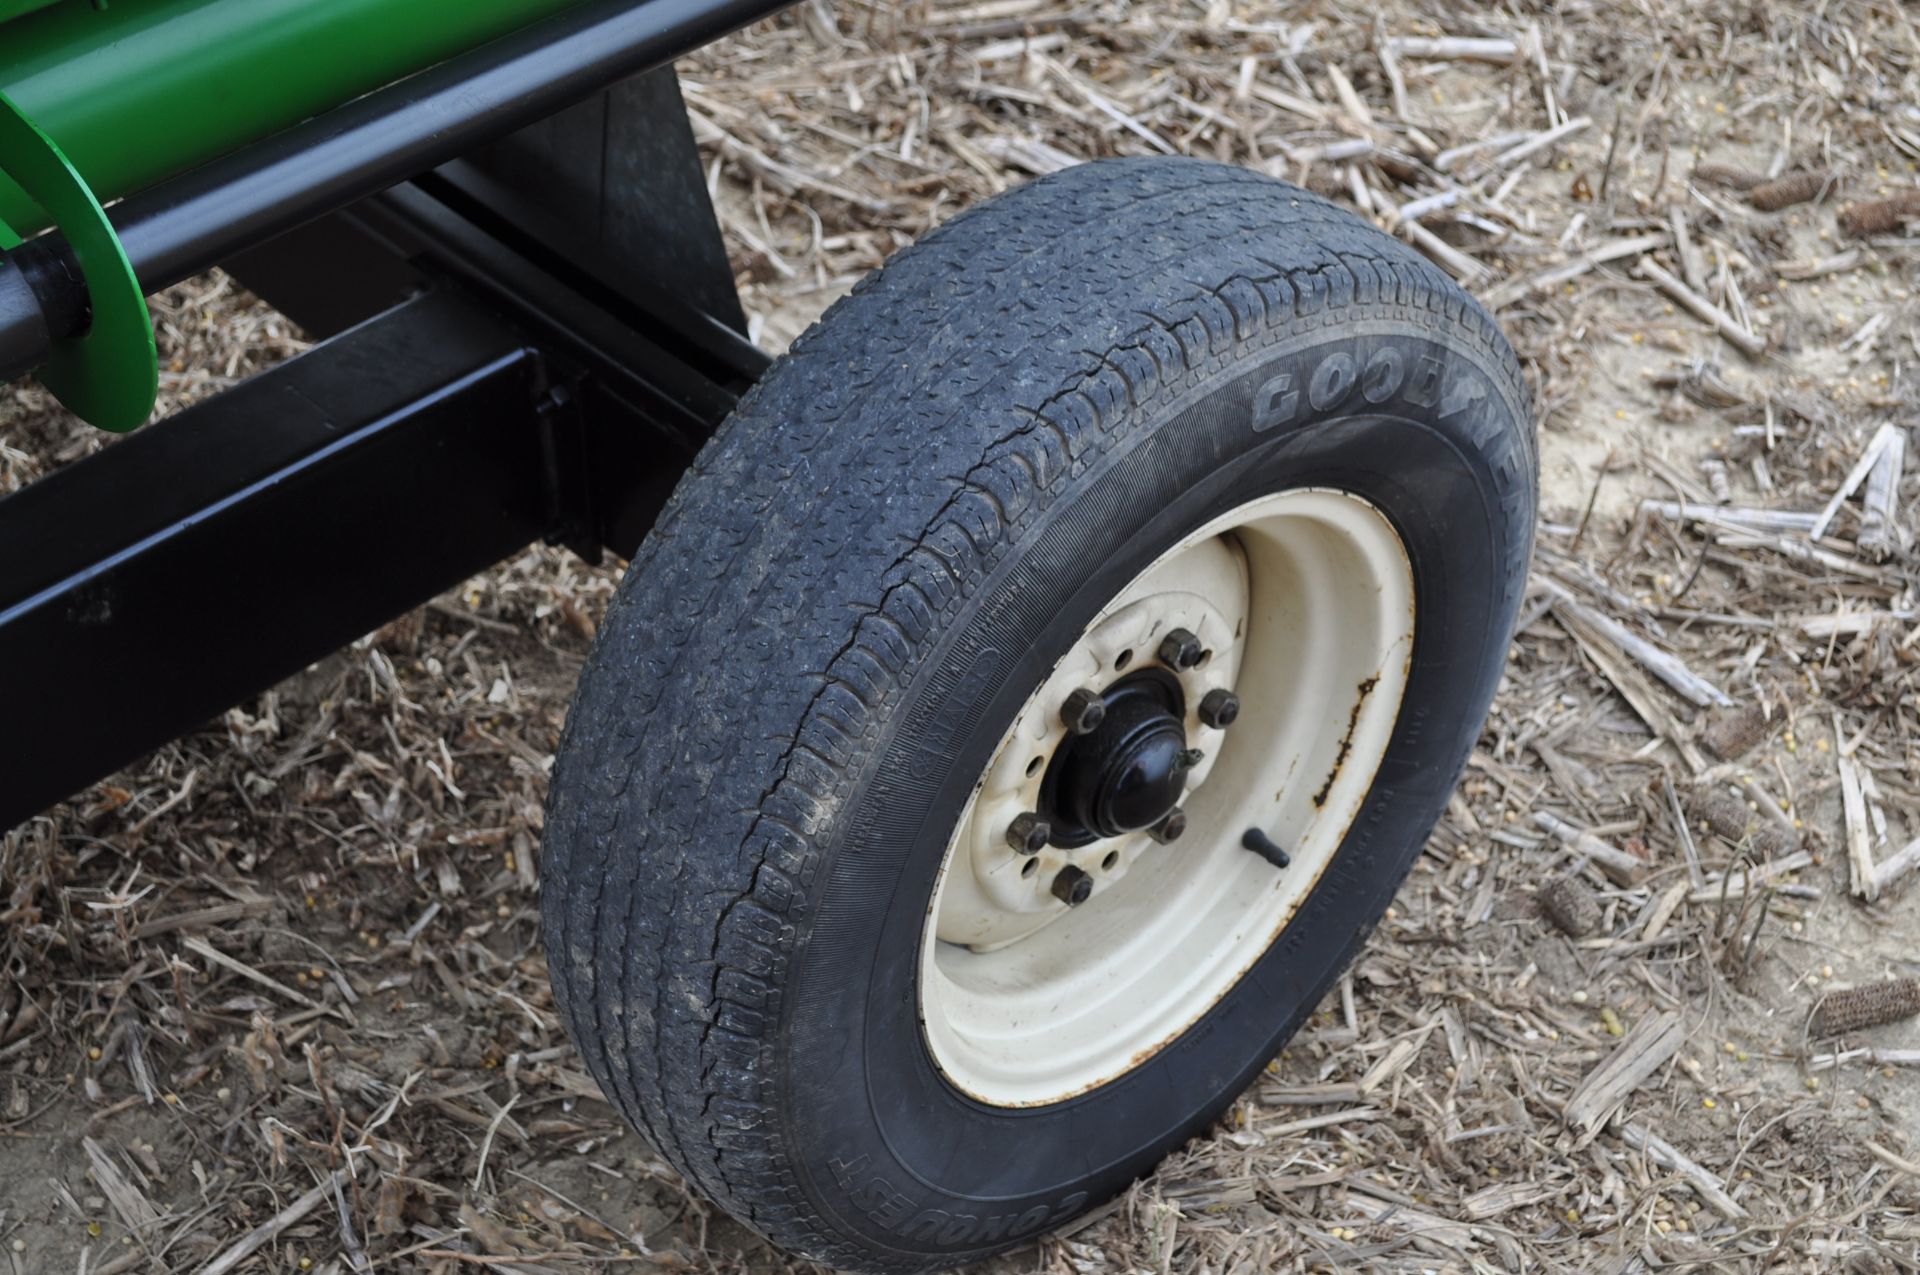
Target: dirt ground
{"type": "Point", "coordinates": [1592, 1034]}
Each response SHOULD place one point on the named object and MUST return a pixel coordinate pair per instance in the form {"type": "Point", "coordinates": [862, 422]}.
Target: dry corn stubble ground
{"type": "Point", "coordinates": [365, 836]}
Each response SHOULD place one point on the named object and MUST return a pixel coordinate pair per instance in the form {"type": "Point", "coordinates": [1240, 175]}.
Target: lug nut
{"type": "Point", "coordinates": [1072, 886]}
{"type": "Point", "coordinates": [1028, 834]}
{"type": "Point", "coordinates": [1169, 829]}
{"type": "Point", "coordinates": [1219, 707]}
{"type": "Point", "coordinates": [1180, 649]}
{"type": "Point", "coordinates": [1083, 712]}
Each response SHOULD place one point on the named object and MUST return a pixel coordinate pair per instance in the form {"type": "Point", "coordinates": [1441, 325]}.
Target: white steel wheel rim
{"type": "Point", "coordinates": [1304, 601]}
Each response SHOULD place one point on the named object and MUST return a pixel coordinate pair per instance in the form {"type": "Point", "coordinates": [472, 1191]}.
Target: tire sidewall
{"type": "Point", "coordinates": [1427, 425]}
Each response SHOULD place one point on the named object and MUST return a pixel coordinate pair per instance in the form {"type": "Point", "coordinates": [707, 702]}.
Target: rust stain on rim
{"type": "Point", "coordinates": [1346, 741]}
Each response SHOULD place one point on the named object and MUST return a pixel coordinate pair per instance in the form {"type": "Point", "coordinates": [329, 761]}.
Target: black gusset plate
{"type": "Point", "coordinates": [146, 589]}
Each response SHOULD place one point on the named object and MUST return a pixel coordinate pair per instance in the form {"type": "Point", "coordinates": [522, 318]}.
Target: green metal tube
{"type": "Point", "coordinates": [14, 8]}
{"type": "Point", "coordinates": [143, 89]}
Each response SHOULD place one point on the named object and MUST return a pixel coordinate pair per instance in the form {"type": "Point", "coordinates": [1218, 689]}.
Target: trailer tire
{"type": "Point", "coordinates": [799, 705]}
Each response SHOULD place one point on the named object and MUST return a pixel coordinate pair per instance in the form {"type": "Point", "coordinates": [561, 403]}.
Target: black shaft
{"type": "Point", "coordinates": [24, 339]}
{"type": "Point", "coordinates": [41, 294]}
{"type": "Point", "coordinates": [186, 224]}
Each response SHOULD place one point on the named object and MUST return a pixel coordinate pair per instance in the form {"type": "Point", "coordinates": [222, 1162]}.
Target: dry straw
{"type": "Point", "coordinates": [1483, 1090]}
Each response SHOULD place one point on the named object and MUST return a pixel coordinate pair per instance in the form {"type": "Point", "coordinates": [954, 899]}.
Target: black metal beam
{"type": "Point", "coordinates": [649, 376]}
{"type": "Point", "coordinates": [608, 199]}
{"type": "Point", "coordinates": [146, 589]}
{"type": "Point", "coordinates": [631, 330]}
{"type": "Point", "coordinates": [327, 276]}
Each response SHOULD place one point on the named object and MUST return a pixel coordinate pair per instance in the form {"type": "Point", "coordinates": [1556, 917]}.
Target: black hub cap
{"type": "Point", "coordinates": [1128, 773]}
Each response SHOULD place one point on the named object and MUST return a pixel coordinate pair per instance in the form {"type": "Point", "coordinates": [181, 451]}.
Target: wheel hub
{"type": "Point", "coordinates": [1128, 774]}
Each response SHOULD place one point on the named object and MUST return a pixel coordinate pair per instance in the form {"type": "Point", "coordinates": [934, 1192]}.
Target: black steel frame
{"type": "Point", "coordinates": [526, 343]}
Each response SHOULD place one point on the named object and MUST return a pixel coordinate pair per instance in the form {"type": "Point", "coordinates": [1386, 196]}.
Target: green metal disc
{"type": "Point", "coordinates": [109, 375]}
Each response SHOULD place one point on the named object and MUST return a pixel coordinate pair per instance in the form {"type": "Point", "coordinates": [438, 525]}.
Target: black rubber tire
{"type": "Point", "coordinates": [867, 571]}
